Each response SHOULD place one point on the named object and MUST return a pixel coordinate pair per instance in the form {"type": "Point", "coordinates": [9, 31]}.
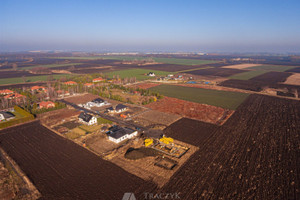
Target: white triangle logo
{"type": "Point", "coordinates": [129, 196]}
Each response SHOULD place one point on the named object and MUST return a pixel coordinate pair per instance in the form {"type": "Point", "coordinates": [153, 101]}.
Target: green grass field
{"type": "Point", "coordinates": [90, 129]}
{"type": "Point", "coordinates": [138, 73]}
{"type": "Point", "coordinates": [247, 75]}
{"type": "Point", "coordinates": [179, 61]}
{"type": "Point", "coordinates": [276, 68]}
{"type": "Point", "coordinates": [30, 79]}
{"type": "Point", "coordinates": [75, 133]}
{"type": "Point", "coordinates": [224, 99]}
{"type": "Point", "coordinates": [52, 65]}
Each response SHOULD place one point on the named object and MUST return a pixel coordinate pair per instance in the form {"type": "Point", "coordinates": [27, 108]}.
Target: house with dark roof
{"type": "Point", "coordinates": [98, 102]}
{"type": "Point", "coordinates": [151, 74]}
{"type": "Point", "coordinates": [119, 108]}
{"type": "Point", "coordinates": [4, 115]}
{"type": "Point", "coordinates": [87, 119]}
{"type": "Point", "coordinates": [118, 134]}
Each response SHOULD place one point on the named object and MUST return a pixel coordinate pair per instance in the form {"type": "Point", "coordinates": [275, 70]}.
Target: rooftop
{"type": "Point", "coordinates": [85, 117]}
{"type": "Point", "coordinates": [118, 132]}
{"type": "Point", "coordinates": [7, 114]}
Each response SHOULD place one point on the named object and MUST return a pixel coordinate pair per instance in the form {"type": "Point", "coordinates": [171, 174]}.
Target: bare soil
{"type": "Point", "coordinates": [59, 116]}
{"type": "Point", "coordinates": [82, 98]}
{"type": "Point", "coordinates": [254, 155]}
{"type": "Point", "coordinates": [156, 119]}
{"type": "Point", "coordinates": [241, 66]}
{"type": "Point", "coordinates": [202, 112]}
{"type": "Point", "coordinates": [145, 168]}
{"type": "Point", "coordinates": [293, 79]}
{"type": "Point", "coordinates": [61, 169]}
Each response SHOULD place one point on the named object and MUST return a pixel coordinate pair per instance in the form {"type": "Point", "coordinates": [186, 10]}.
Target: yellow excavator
{"type": "Point", "coordinates": [148, 142]}
{"type": "Point", "coordinates": [166, 140]}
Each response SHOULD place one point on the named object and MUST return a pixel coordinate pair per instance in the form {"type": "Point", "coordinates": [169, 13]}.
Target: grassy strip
{"type": "Point", "coordinates": [188, 70]}
{"type": "Point", "coordinates": [52, 65]}
{"type": "Point", "coordinates": [224, 99]}
{"type": "Point", "coordinates": [101, 120]}
{"type": "Point", "coordinates": [179, 61]}
{"type": "Point", "coordinates": [247, 75]}
{"type": "Point", "coordinates": [31, 79]}
{"type": "Point", "coordinates": [140, 74]}
{"type": "Point", "coordinates": [276, 68]}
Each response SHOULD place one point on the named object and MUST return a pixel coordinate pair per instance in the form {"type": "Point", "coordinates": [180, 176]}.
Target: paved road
{"type": "Point", "coordinates": [114, 119]}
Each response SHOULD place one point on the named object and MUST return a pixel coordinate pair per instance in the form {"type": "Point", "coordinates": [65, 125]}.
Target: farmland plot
{"type": "Point", "coordinates": [224, 99]}
{"type": "Point", "coordinates": [272, 77]}
{"type": "Point", "coordinates": [222, 72]}
{"type": "Point", "coordinates": [254, 155]}
{"type": "Point", "coordinates": [60, 169]}
{"type": "Point", "coordinates": [190, 131]}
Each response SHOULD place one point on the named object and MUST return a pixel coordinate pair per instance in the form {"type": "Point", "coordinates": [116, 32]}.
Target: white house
{"type": "Point", "coordinates": [118, 109]}
{"type": "Point", "coordinates": [87, 119]}
{"type": "Point", "coordinates": [96, 103]}
{"type": "Point", "coordinates": [151, 74]}
{"type": "Point", "coordinates": [118, 134]}
{"type": "Point", "coordinates": [6, 115]}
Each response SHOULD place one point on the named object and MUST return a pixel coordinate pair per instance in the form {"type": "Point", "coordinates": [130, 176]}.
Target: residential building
{"type": "Point", "coordinates": [88, 84]}
{"type": "Point", "coordinates": [151, 74]}
{"type": "Point", "coordinates": [38, 88]}
{"type": "Point", "coordinates": [96, 80]}
{"type": "Point", "coordinates": [70, 83]}
{"type": "Point", "coordinates": [98, 102]}
{"type": "Point", "coordinates": [14, 96]}
{"type": "Point", "coordinates": [4, 115]}
{"type": "Point", "coordinates": [87, 119]}
{"type": "Point", "coordinates": [46, 104]}
{"type": "Point", "coordinates": [118, 134]}
{"type": "Point", "coordinates": [6, 92]}
{"type": "Point", "coordinates": [119, 108]}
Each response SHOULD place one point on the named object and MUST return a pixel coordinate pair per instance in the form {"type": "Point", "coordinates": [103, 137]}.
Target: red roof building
{"type": "Point", "coordinates": [70, 83]}
{"type": "Point", "coordinates": [36, 87]}
{"type": "Point", "coordinates": [97, 80]}
{"type": "Point", "coordinates": [5, 92]}
{"type": "Point", "coordinates": [88, 84]}
{"type": "Point", "coordinates": [46, 104]}
{"type": "Point", "coordinates": [14, 96]}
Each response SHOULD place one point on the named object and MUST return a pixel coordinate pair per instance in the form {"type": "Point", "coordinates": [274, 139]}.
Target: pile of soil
{"type": "Point", "coordinates": [135, 154]}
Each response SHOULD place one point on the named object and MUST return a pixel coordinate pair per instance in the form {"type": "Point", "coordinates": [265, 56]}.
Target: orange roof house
{"type": "Point", "coordinates": [36, 87]}
{"type": "Point", "coordinates": [97, 80]}
{"type": "Point", "coordinates": [70, 83]}
{"type": "Point", "coordinates": [88, 84]}
{"type": "Point", "coordinates": [13, 96]}
{"type": "Point", "coordinates": [46, 104]}
{"type": "Point", "coordinates": [5, 92]}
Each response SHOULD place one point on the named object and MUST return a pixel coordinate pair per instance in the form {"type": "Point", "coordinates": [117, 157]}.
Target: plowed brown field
{"type": "Point", "coordinates": [60, 169]}
{"type": "Point", "coordinates": [189, 109]}
{"type": "Point", "coordinates": [254, 155]}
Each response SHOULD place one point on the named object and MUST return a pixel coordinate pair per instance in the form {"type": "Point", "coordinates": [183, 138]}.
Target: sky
{"type": "Point", "coordinates": [151, 25]}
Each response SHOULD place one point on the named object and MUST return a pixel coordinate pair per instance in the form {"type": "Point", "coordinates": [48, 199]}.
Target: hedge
{"type": "Point", "coordinates": [27, 117]}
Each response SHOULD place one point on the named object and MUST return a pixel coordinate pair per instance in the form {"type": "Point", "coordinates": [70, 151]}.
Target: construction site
{"type": "Point", "coordinates": [151, 158]}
